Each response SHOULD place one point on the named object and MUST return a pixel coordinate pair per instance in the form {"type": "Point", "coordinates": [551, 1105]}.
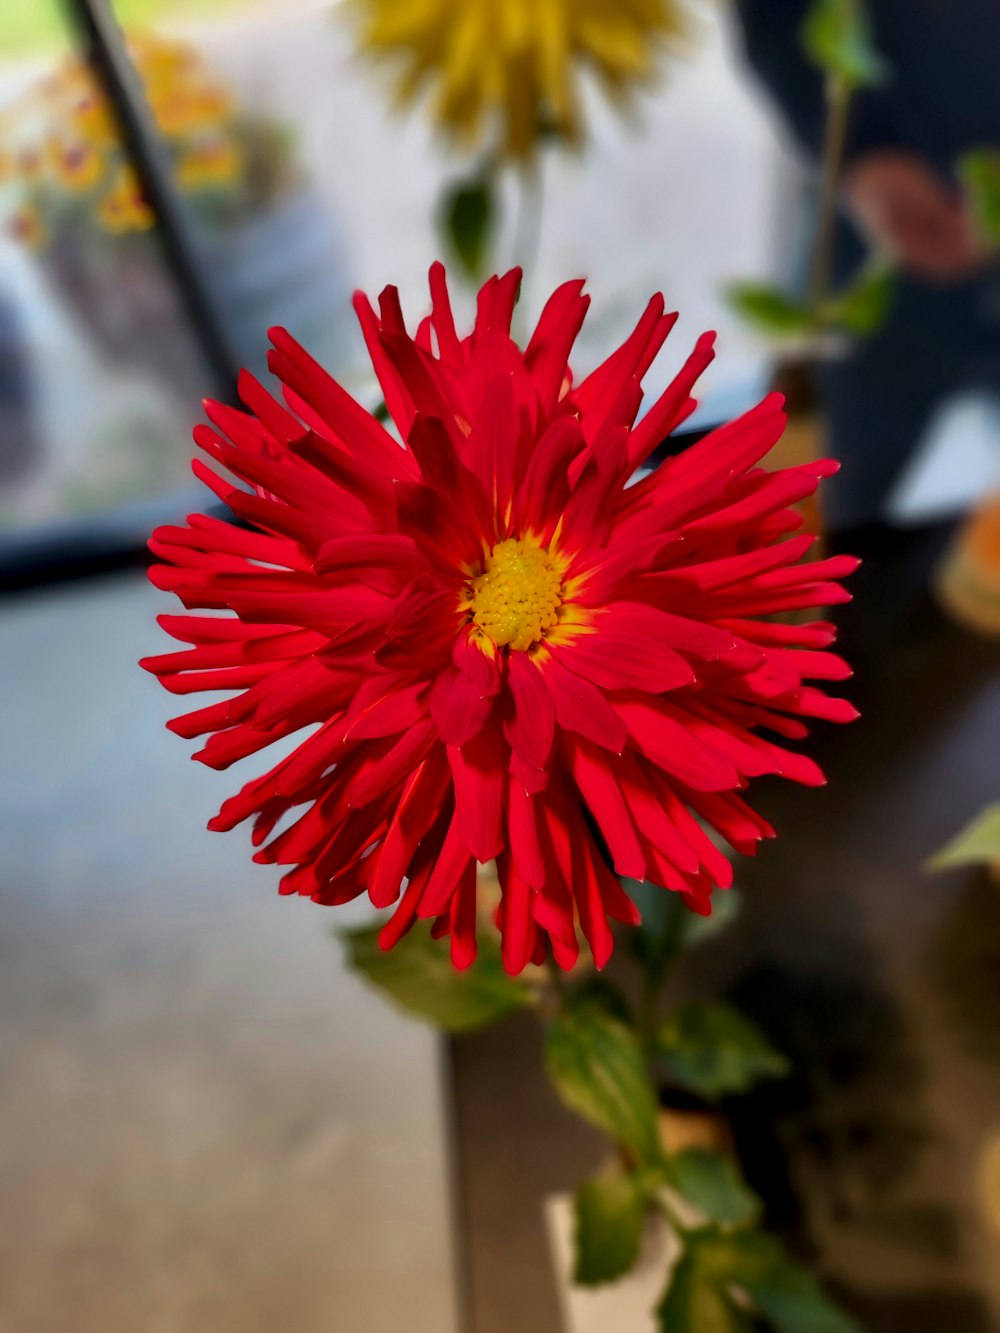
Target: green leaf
{"type": "Point", "coordinates": [768, 309]}
{"type": "Point", "coordinates": [668, 926]}
{"type": "Point", "coordinates": [699, 1298]}
{"type": "Point", "coordinates": [714, 1051]}
{"type": "Point", "coordinates": [597, 1067]}
{"type": "Point", "coordinates": [793, 1301]}
{"type": "Point", "coordinates": [712, 1183]}
{"type": "Point", "coordinates": [837, 37]}
{"type": "Point", "coordinates": [610, 1215]}
{"type": "Point", "coordinates": [417, 973]}
{"type": "Point", "coordinates": [467, 219]}
{"type": "Point", "coordinates": [664, 922]}
{"type": "Point", "coordinates": [979, 172]}
{"type": "Point", "coordinates": [978, 842]}
{"type": "Point", "coordinates": [726, 908]}
{"type": "Point", "coordinates": [718, 1268]}
{"type": "Point", "coordinates": [601, 993]}
{"type": "Point", "coordinates": [861, 308]}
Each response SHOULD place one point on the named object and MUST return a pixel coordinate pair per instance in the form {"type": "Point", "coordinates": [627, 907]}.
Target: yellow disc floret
{"type": "Point", "coordinates": [517, 596]}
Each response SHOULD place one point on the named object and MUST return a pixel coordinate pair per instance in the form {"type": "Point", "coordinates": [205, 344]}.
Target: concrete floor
{"type": "Point", "coordinates": [206, 1124]}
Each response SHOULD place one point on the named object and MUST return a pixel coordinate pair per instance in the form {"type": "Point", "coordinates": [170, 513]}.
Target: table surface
{"type": "Point", "coordinates": [206, 1124]}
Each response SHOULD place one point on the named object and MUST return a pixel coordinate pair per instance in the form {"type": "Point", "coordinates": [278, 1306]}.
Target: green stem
{"type": "Point", "coordinates": [527, 233]}
{"type": "Point", "coordinates": [557, 990]}
{"type": "Point", "coordinates": [661, 1203]}
{"type": "Point", "coordinates": [528, 228]}
{"type": "Point", "coordinates": [838, 101]}
{"type": "Point", "coordinates": [654, 980]}
{"type": "Point", "coordinates": [649, 1003]}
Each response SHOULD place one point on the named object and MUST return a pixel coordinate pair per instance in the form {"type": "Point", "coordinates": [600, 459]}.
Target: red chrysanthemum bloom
{"type": "Point", "coordinates": [499, 646]}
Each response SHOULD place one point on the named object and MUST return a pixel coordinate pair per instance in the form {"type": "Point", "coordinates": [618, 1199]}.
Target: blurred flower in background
{"type": "Point", "coordinates": [65, 164]}
{"type": "Point", "coordinates": [508, 73]}
{"type": "Point", "coordinates": [504, 79]}
{"type": "Point", "coordinates": [90, 256]}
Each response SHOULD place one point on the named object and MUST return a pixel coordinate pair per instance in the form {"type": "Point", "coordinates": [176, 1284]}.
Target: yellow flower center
{"type": "Point", "coordinates": [518, 595]}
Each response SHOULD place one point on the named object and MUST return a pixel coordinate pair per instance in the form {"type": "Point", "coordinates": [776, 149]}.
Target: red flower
{"type": "Point", "coordinates": [497, 644]}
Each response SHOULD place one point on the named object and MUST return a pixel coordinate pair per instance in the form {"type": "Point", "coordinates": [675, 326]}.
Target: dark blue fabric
{"type": "Point", "coordinates": [942, 94]}
{"type": "Point", "coordinates": [942, 97]}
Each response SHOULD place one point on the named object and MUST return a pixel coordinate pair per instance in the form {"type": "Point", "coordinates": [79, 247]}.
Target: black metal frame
{"type": "Point", "coordinates": [105, 48]}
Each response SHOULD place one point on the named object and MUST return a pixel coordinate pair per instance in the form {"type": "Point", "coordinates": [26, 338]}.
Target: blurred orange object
{"type": "Point", "coordinates": [967, 581]}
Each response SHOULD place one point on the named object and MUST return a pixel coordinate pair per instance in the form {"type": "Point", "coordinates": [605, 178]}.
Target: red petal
{"type": "Point", "coordinates": [516, 926]}
{"type": "Point", "coordinates": [548, 350]}
{"type": "Point", "coordinates": [384, 706]}
{"type": "Point", "coordinates": [481, 666]}
{"type": "Point", "coordinates": [479, 769]}
{"type": "Point", "coordinates": [420, 873]}
{"type": "Point", "coordinates": [672, 747]}
{"type": "Point", "coordinates": [444, 322]}
{"type": "Point", "coordinates": [491, 449]}
{"type": "Point", "coordinates": [452, 862]}
{"type": "Point", "coordinates": [621, 661]}
{"type": "Point", "coordinates": [462, 921]}
{"type": "Point", "coordinates": [544, 492]}
{"type": "Point", "coordinates": [457, 707]}
{"type": "Point", "coordinates": [397, 764]}
{"type": "Point", "coordinates": [603, 385]}
{"type": "Point", "coordinates": [385, 562]}
{"type": "Point", "coordinates": [442, 469]}
{"type": "Point", "coordinates": [669, 410]}
{"type": "Point", "coordinates": [529, 721]}
{"type": "Point", "coordinates": [680, 633]}
{"type": "Point", "coordinates": [589, 872]}
{"type": "Point", "coordinates": [522, 826]}
{"type": "Point", "coordinates": [349, 421]}
{"type": "Point", "coordinates": [591, 773]}
{"type": "Point", "coordinates": [581, 707]}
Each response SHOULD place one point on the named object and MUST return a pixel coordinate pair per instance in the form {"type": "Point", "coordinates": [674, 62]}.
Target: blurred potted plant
{"type": "Point", "coordinates": [72, 195]}
{"type": "Point", "coordinates": [668, 1220]}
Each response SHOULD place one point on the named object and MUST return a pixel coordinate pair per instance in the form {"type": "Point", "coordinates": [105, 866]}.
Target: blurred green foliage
{"type": "Point", "coordinates": [979, 173]}
{"type": "Point", "coordinates": [467, 221]}
{"type": "Point", "coordinates": [837, 37]}
{"type": "Point", "coordinates": [419, 977]}
{"type": "Point", "coordinates": [977, 844]}
{"type": "Point", "coordinates": [859, 309]}
{"type": "Point", "coordinates": [28, 26]}
{"type": "Point", "coordinates": [711, 1049]}
{"type": "Point", "coordinates": [720, 1270]}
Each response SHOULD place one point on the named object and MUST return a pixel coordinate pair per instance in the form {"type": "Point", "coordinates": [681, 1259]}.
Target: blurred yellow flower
{"type": "Point", "coordinates": [161, 56]}
{"type": "Point", "coordinates": [76, 167]}
{"type": "Point", "coordinates": [67, 142]}
{"type": "Point", "coordinates": [123, 208]}
{"type": "Point", "coordinates": [214, 164]}
{"type": "Point", "coordinates": [30, 164]}
{"type": "Point", "coordinates": [91, 118]}
{"type": "Point", "coordinates": [513, 64]}
{"type": "Point", "coordinates": [26, 226]}
{"type": "Point", "coordinates": [180, 111]}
